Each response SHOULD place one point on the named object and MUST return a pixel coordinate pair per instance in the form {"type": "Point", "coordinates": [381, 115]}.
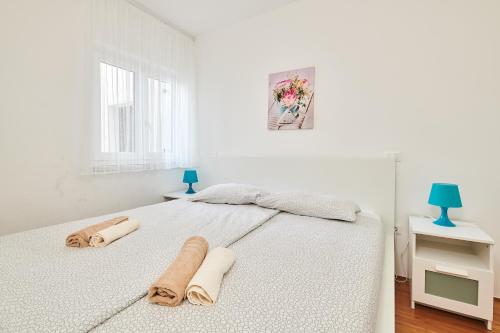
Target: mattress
{"type": "Point", "coordinates": [47, 287]}
{"type": "Point", "coordinates": [293, 274]}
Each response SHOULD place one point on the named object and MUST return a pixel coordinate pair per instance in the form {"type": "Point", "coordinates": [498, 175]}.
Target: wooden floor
{"type": "Point", "coordinates": [425, 319]}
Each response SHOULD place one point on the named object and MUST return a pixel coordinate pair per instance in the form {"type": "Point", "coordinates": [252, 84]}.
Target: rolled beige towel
{"type": "Point", "coordinates": [112, 233]}
{"type": "Point", "coordinates": [205, 284]}
{"type": "Point", "coordinates": [81, 238]}
{"type": "Point", "coordinates": [170, 288]}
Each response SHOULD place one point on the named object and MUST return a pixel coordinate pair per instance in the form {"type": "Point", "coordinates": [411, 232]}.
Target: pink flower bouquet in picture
{"type": "Point", "coordinates": [292, 93]}
{"type": "Point", "coordinates": [291, 99]}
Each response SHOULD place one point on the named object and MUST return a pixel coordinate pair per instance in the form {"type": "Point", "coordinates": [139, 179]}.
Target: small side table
{"type": "Point", "coordinates": [177, 195]}
{"type": "Point", "coordinates": [452, 268]}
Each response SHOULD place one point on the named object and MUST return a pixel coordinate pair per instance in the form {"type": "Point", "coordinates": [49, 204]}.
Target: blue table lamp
{"type": "Point", "coordinates": [190, 177]}
{"type": "Point", "coordinates": [445, 196]}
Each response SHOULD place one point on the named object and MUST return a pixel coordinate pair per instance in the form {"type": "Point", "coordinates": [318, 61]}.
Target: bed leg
{"type": "Point", "coordinates": [489, 324]}
{"type": "Point", "coordinates": [413, 305]}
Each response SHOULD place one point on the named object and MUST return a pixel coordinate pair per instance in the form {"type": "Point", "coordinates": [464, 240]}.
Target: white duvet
{"type": "Point", "coordinates": [294, 274]}
{"type": "Point", "coordinates": [48, 287]}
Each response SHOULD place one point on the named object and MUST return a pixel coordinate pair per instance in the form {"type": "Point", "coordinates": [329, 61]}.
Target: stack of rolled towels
{"type": "Point", "coordinates": [193, 274]}
{"type": "Point", "coordinates": [103, 233]}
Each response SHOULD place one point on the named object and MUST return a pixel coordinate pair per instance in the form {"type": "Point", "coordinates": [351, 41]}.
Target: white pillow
{"type": "Point", "coordinates": [311, 204]}
{"type": "Point", "coordinates": [236, 194]}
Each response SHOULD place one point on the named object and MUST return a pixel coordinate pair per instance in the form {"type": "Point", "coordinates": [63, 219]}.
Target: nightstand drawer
{"type": "Point", "coordinates": [453, 287]}
{"type": "Point", "coordinates": [460, 289]}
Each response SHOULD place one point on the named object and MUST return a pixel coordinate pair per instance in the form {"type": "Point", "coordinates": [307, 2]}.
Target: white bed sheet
{"type": "Point", "coordinates": [293, 274]}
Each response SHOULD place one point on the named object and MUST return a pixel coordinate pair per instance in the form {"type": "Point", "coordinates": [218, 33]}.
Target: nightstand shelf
{"type": "Point", "coordinates": [452, 268]}
{"type": "Point", "coordinates": [465, 255]}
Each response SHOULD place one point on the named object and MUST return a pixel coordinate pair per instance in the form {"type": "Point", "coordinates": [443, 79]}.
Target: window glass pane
{"type": "Point", "coordinates": [117, 109]}
{"type": "Point", "coordinates": [158, 117]}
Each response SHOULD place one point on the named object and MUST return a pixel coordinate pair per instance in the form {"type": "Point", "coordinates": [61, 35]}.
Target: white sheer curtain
{"type": "Point", "coordinates": [143, 81]}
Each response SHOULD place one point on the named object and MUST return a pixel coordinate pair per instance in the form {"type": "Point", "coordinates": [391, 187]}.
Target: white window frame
{"type": "Point", "coordinates": [110, 155]}
{"type": "Point", "coordinates": [132, 160]}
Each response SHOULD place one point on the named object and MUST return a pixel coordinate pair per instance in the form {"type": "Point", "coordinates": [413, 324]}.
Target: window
{"type": "Point", "coordinates": [120, 128]}
{"type": "Point", "coordinates": [117, 110]}
{"type": "Point", "coordinates": [143, 79]}
{"type": "Point", "coordinates": [134, 128]}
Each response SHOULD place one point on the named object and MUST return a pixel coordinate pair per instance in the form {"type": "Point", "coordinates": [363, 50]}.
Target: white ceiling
{"type": "Point", "coordinates": [194, 17]}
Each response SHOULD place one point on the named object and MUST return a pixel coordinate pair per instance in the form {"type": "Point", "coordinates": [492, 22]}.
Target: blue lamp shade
{"type": "Point", "coordinates": [445, 196]}
{"type": "Point", "coordinates": [190, 177]}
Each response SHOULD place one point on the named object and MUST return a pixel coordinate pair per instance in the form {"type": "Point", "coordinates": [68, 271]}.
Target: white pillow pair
{"type": "Point", "coordinates": [299, 203]}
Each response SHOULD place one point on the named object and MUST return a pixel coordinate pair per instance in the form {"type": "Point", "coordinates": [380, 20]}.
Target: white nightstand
{"type": "Point", "coordinates": [452, 268]}
{"type": "Point", "coordinates": [177, 195]}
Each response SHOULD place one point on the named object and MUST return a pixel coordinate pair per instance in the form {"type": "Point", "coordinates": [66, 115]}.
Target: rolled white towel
{"type": "Point", "coordinates": [205, 284]}
{"type": "Point", "coordinates": [110, 234]}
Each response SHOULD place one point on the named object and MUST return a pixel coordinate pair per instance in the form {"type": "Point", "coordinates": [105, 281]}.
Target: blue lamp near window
{"type": "Point", "coordinates": [445, 196]}
{"type": "Point", "coordinates": [190, 177]}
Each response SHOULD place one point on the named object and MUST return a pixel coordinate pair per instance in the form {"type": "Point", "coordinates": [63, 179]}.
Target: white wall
{"type": "Point", "coordinates": [420, 77]}
{"type": "Point", "coordinates": [41, 104]}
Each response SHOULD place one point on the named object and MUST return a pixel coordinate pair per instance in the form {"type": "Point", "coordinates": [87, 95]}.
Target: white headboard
{"type": "Point", "coordinates": [369, 182]}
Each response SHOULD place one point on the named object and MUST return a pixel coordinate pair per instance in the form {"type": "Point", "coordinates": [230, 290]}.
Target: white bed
{"type": "Point", "coordinates": [46, 287]}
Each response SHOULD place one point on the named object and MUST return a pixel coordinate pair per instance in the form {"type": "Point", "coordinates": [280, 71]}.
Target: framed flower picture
{"type": "Point", "coordinates": [291, 100]}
